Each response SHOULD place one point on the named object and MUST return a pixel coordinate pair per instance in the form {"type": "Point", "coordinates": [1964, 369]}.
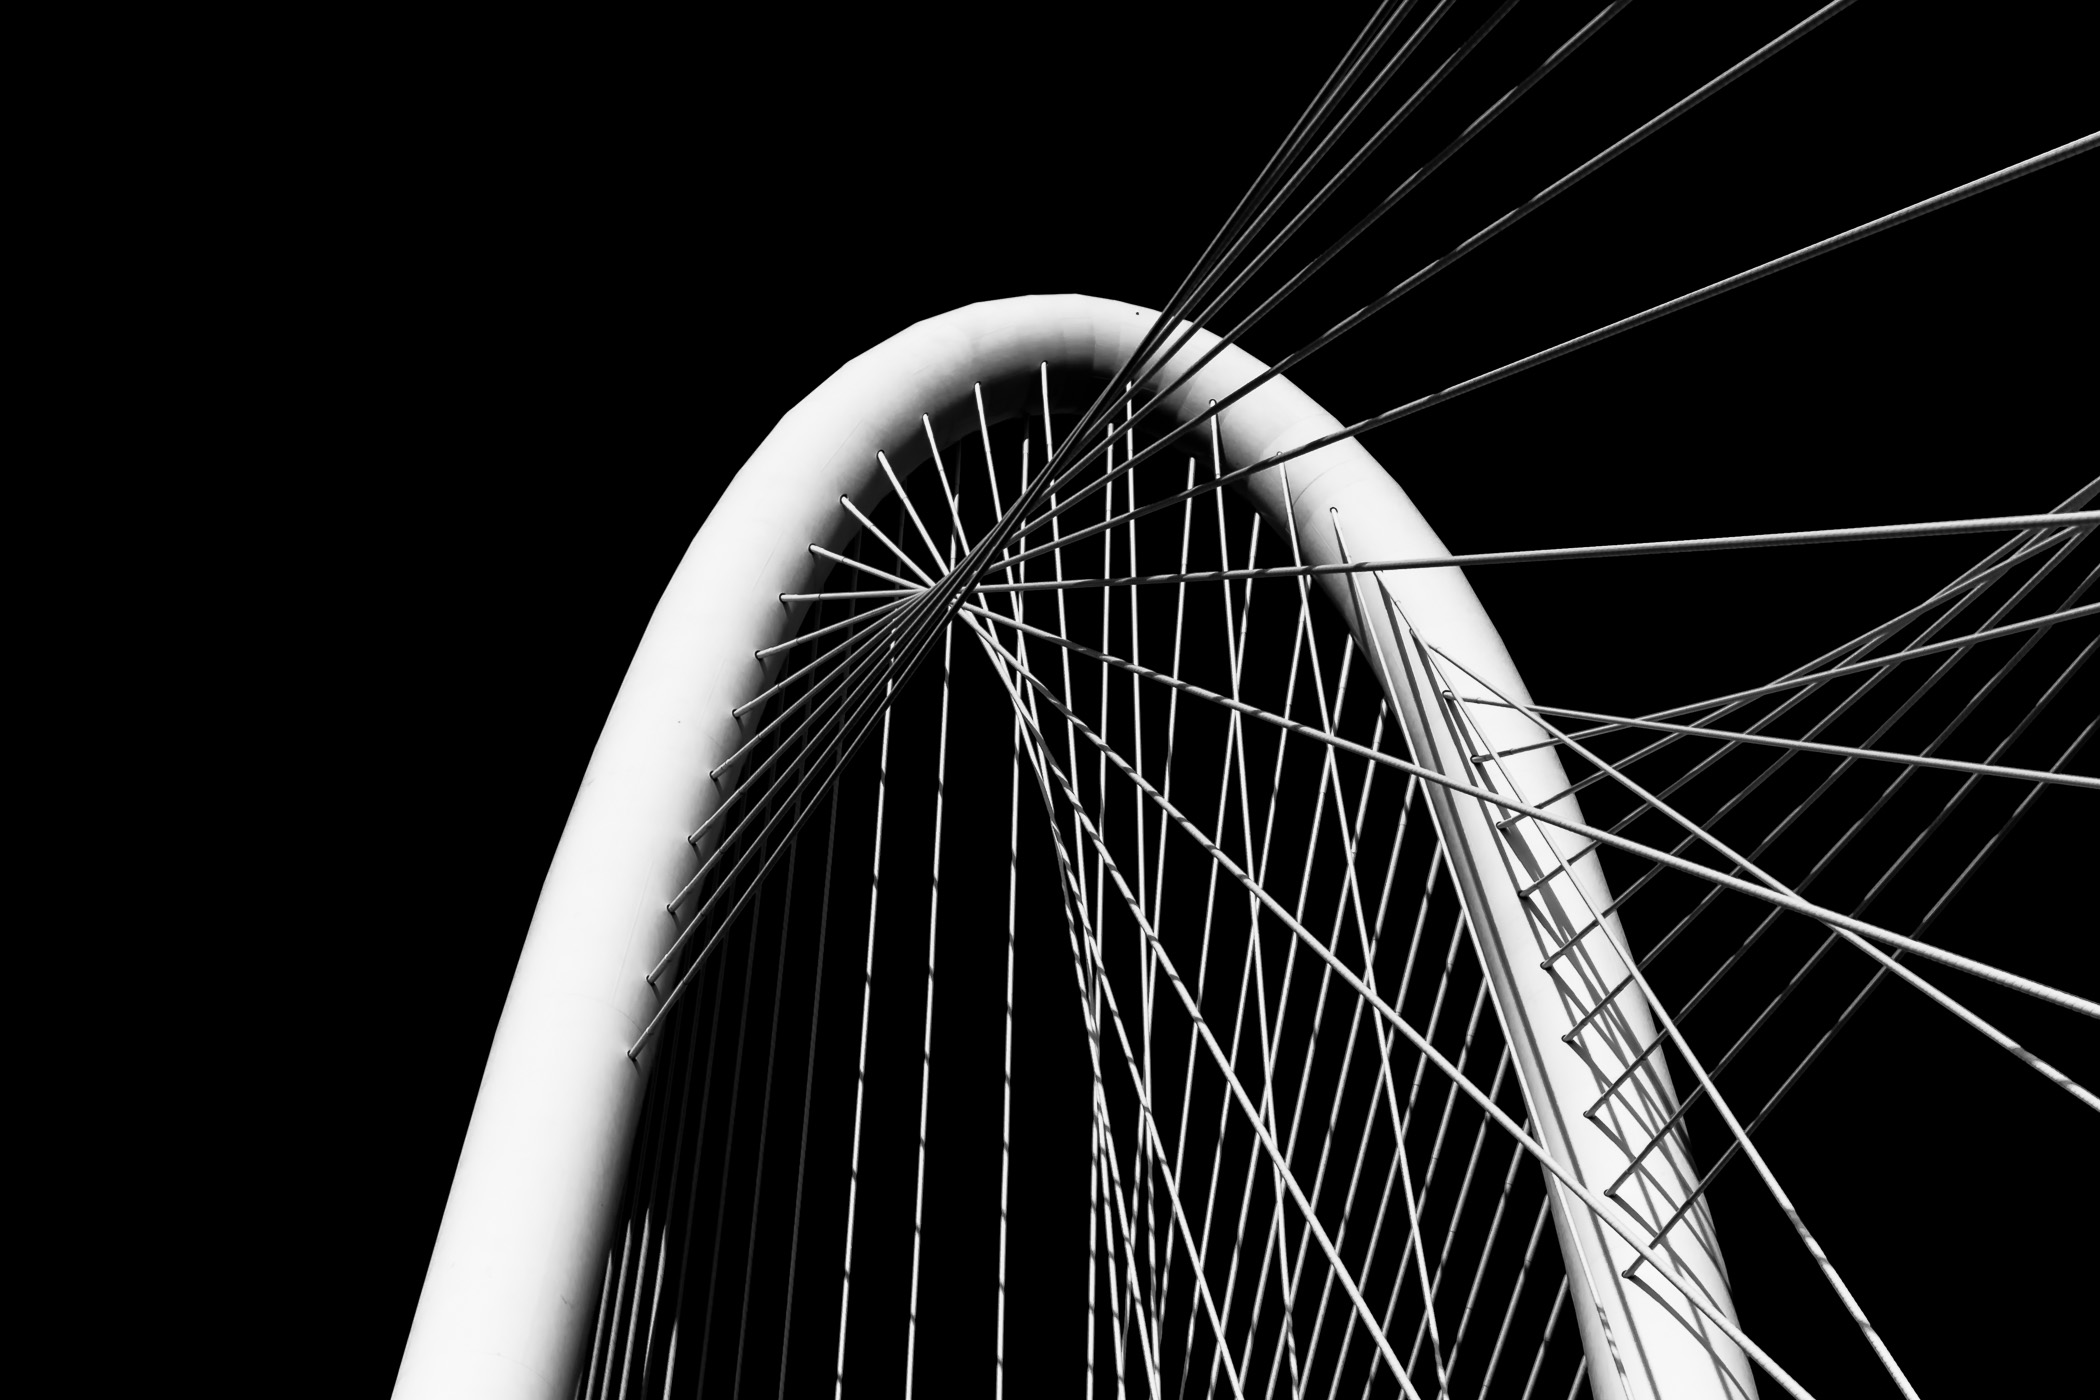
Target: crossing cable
{"type": "Point", "coordinates": [1654, 313]}
{"type": "Point", "coordinates": [809, 1081]}
{"type": "Point", "coordinates": [1604, 1212]}
{"type": "Point", "coordinates": [1254, 1115]}
{"type": "Point", "coordinates": [1252, 962]}
{"type": "Point", "coordinates": [1479, 124]}
{"type": "Point", "coordinates": [1850, 534]}
{"type": "Point", "coordinates": [996, 538]}
{"type": "Point", "coordinates": [1812, 675]}
{"type": "Point", "coordinates": [1854, 930]}
{"type": "Point", "coordinates": [1908, 760]}
{"type": "Point", "coordinates": [1877, 664]}
{"type": "Point", "coordinates": [1509, 1309]}
{"type": "Point", "coordinates": [1836, 848]}
{"type": "Point", "coordinates": [1273, 1243]}
{"type": "Point", "coordinates": [1650, 853]}
{"type": "Point", "coordinates": [861, 722]}
{"type": "Point", "coordinates": [1040, 761]}
{"type": "Point", "coordinates": [1953, 889]}
{"type": "Point", "coordinates": [1536, 202]}
{"type": "Point", "coordinates": [860, 1074]}
{"type": "Point", "coordinates": [1349, 168]}
{"type": "Point", "coordinates": [736, 1094]}
{"type": "Point", "coordinates": [1743, 794]}
{"type": "Point", "coordinates": [1235, 649]}
{"type": "Point", "coordinates": [1211, 261]}
{"type": "Point", "coordinates": [1087, 972]}
{"type": "Point", "coordinates": [1778, 1193]}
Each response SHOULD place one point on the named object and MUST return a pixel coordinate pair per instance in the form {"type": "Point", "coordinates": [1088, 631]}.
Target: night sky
{"type": "Point", "coordinates": [567, 281]}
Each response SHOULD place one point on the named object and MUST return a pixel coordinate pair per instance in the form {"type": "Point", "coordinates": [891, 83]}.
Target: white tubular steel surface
{"type": "Point", "coordinates": [513, 1283]}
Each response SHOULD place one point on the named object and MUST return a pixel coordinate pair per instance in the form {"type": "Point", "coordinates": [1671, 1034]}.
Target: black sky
{"type": "Point", "coordinates": [561, 280]}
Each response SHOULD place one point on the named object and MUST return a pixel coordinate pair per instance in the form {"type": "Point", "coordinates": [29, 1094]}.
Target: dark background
{"type": "Point", "coordinates": [526, 297]}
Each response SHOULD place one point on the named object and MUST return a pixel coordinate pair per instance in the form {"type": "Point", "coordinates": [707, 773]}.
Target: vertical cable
{"type": "Point", "coordinates": [860, 1076]}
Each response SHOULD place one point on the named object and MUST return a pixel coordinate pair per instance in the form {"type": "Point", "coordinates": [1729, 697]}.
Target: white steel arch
{"type": "Point", "coordinates": [513, 1281]}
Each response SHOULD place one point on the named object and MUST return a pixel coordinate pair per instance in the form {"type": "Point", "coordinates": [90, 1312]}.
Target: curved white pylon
{"type": "Point", "coordinates": [514, 1279]}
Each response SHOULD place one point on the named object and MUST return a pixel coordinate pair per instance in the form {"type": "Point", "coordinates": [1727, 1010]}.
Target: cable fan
{"type": "Point", "coordinates": [1037, 650]}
